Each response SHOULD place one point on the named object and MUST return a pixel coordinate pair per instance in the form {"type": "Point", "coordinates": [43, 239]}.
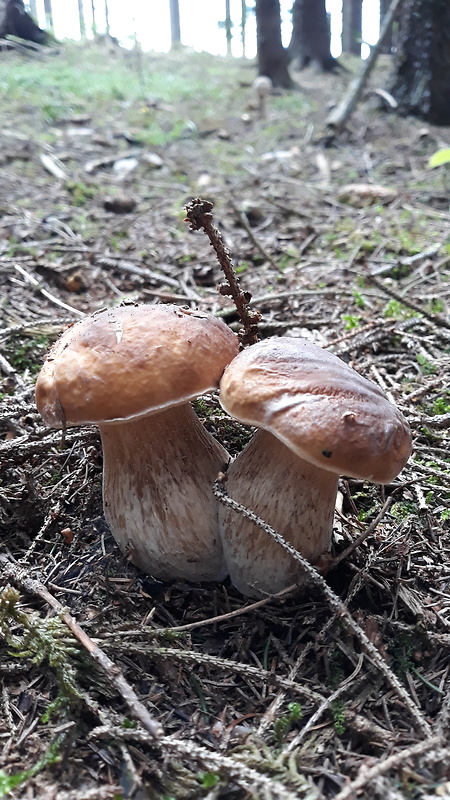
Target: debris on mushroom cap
{"type": "Point", "coordinates": [125, 362]}
{"type": "Point", "coordinates": [319, 407]}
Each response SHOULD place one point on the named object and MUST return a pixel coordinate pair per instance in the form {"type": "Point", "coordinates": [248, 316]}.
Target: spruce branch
{"type": "Point", "coordinates": [336, 604]}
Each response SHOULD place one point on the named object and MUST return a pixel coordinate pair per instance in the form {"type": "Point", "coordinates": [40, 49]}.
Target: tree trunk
{"type": "Point", "coordinates": [421, 81]}
{"type": "Point", "coordinates": [310, 41]}
{"type": "Point", "coordinates": [243, 24]}
{"type": "Point", "coordinates": [390, 43]}
{"type": "Point", "coordinates": [81, 19]}
{"type": "Point", "coordinates": [16, 22]}
{"type": "Point", "coordinates": [94, 23]}
{"type": "Point", "coordinates": [228, 26]}
{"type": "Point", "coordinates": [272, 57]}
{"type": "Point", "coordinates": [33, 9]}
{"type": "Point", "coordinates": [351, 26]}
{"type": "Point", "coordinates": [175, 30]}
{"type": "Point", "coordinates": [107, 18]}
{"type": "Point", "coordinates": [48, 14]}
{"type": "Point", "coordinates": [339, 115]}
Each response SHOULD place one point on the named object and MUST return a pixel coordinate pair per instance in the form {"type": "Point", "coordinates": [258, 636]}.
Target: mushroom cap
{"type": "Point", "coordinates": [126, 362]}
{"type": "Point", "coordinates": [319, 407]}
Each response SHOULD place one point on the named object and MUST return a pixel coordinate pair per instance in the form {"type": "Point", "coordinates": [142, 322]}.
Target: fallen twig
{"type": "Point", "coordinates": [53, 166]}
{"type": "Point", "coordinates": [12, 572]}
{"type": "Point", "coordinates": [365, 534]}
{"type": "Point", "coordinates": [436, 421]}
{"type": "Point", "coordinates": [192, 656]}
{"type": "Point", "coordinates": [313, 720]}
{"type": "Point", "coordinates": [437, 319]}
{"type": "Point", "coordinates": [335, 603]}
{"type": "Point", "coordinates": [368, 774]}
{"type": "Point", "coordinates": [243, 220]}
{"type": "Point", "coordinates": [248, 778]}
{"type": "Point", "coordinates": [342, 112]}
{"type": "Point", "coordinates": [32, 280]}
{"type": "Point", "coordinates": [210, 620]}
{"type": "Point", "coordinates": [111, 262]}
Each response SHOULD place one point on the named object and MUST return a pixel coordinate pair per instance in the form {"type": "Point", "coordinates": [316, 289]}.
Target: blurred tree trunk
{"type": "Point", "coordinates": [421, 81]}
{"type": "Point", "coordinates": [33, 9]}
{"type": "Point", "coordinates": [351, 26]}
{"type": "Point", "coordinates": [310, 40]}
{"type": "Point", "coordinates": [175, 30]}
{"type": "Point", "coordinates": [391, 38]}
{"type": "Point", "coordinates": [228, 26]}
{"type": "Point", "coordinates": [272, 57]}
{"type": "Point", "coordinates": [107, 18]}
{"type": "Point", "coordinates": [17, 22]}
{"type": "Point", "coordinates": [387, 46]}
{"type": "Point", "coordinates": [48, 14]}
{"type": "Point", "coordinates": [94, 22]}
{"type": "Point", "coordinates": [243, 24]}
{"type": "Point", "coordinates": [81, 19]}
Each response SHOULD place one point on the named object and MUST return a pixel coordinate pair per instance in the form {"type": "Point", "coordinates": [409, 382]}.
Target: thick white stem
{"type": "Point", "coordinates": [157, 493]}
{"type": "Point", "coordinates": [294, 497]}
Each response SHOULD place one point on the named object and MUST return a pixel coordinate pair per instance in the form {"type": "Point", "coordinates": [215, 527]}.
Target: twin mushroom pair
{"type": "Point", "coordinates": [134, 370]}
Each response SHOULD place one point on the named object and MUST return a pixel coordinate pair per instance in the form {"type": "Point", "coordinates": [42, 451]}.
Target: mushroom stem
{"type": "Point", "coordinates": [295, 497]}
{"type": "Point", "coordinates": [157, 493]}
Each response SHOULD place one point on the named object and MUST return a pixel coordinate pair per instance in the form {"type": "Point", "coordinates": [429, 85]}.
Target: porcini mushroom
{"type": "Point", "coordinates": [317, 419]}
{"type": "Point", "coordinates": [132, 371]}
{"type": "Point", "coordinates": [262, 86]}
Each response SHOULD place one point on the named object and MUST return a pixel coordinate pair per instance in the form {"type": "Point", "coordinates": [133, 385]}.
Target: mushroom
{"type": "Point", "coordinates": [262, 86]}
{"type": "Point", "coordinates": [132, 371]}
{"type": "Point", "coordinates": [317, 419]}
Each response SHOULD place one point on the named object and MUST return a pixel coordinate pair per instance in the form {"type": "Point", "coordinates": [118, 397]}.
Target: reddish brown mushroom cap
{"type": "Point", "coordinates": [130, 361]}
{"type": "Point", "coordinates": [319, 407]}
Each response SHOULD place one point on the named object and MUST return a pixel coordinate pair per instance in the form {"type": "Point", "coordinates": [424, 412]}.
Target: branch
{"type": "Point", "coordinates": [340, 609]}
{"type": "Point", "coordinates": [342, 112]}
{"type": "Point", "coordinates": [198, 214]}
{"type": "Point", "coordinates": [12, 572]}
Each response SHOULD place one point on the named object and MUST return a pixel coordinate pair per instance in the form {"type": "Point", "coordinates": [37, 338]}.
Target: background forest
{"type": "Point", "coordinates": [329, 184]}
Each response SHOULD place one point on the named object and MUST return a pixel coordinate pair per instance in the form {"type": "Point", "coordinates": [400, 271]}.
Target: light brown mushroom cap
{"type": "Point", "coordinates": [319, 407]}
{"type": "Point", "coordinates": [126, 362]}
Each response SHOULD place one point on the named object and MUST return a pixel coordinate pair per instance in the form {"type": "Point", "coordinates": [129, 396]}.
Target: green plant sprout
{"type": "Point", "coordinates": [284, 723]}
{"type": "Point", "coordinates": [209, 779]}
{"type": "Point", "coordinates": [426, 366]}
{"type": "Point", "coordinates": [10, 782]}
{"type": "Point", "coordinates": [338, 716]}
{"type": "Point", "coordinates": [41, 639]}
{"type": "Point", "coordinates": [397, 310]}
{"type": "Point", "coordinates": [351, 321]}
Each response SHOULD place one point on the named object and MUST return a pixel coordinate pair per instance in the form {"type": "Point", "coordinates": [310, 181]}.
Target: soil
{"type": "Point", "coordinates": [341, 240]}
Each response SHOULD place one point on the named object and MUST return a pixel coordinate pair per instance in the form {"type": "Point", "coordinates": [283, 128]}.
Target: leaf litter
{"type": "Point", "coordinates": [345, 245]}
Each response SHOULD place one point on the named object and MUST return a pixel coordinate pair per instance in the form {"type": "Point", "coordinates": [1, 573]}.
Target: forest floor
{"type": "Point", "coordinates": [283, 698]}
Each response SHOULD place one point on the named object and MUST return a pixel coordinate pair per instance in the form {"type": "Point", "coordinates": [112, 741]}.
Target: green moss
{"type": "Point", "coordinates": [26, 353]}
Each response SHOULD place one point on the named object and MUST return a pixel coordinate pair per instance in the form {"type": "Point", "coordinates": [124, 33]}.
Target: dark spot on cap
{"type": "Point", "coordinates": [327, 453]}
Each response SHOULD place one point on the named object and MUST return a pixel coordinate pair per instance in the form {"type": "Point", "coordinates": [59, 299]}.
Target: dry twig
{"type": "Point", "coordinates": [16, 574]}
{"type": "Point", "coordinates": [243, 220]}
{"type": "Point", "coordinates": [32, 280]}
{"type": "Point", "coordinates": [336, 605]}
{"type": "Point", "coordinates": [246, 777]}
{"type": "Point", "coordinates": [367, 774]}
{"type": "Point", "coordinates": [191, 656]}
{"type": "Point", "coordinates": [198, 214]}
